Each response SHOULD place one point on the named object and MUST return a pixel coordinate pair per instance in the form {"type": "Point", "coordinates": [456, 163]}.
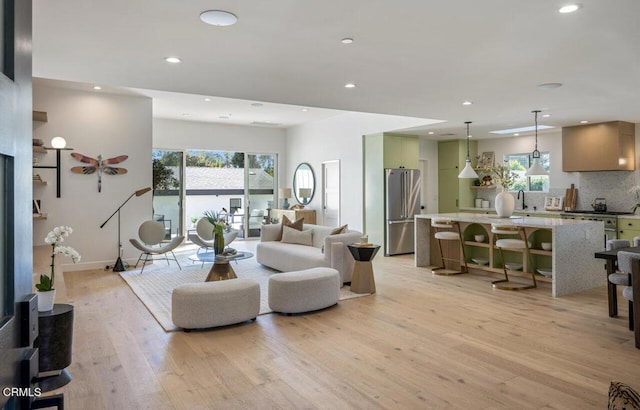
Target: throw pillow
{"type": "Point", "coordinates": [340, 229]}
{"type": "Point", "coordinates": [290, 235]}
{"type": "Point", "coordinates": [286, 222]}
{"type": "Point", "coordinates": [621, 396]}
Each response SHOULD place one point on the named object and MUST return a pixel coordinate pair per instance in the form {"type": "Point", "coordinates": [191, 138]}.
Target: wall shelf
{"type": "Point", "coordinates": [40, 116]}
{"type": "Point", "coordinates": [39, 216]}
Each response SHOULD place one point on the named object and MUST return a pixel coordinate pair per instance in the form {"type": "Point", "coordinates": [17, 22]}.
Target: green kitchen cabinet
{"type": "Point", "coordinates": [401, 151]}
{"type": "Point", "coordinates": [628, 228]}
{"type": "Point", "coordinates": [454, 193]}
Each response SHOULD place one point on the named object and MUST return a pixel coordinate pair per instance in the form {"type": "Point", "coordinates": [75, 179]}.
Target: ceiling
{"type": "Point", "coordinates": [412, 58]}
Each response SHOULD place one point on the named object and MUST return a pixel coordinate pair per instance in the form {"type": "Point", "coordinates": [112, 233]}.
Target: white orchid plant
{"type": "Point", "coordinates": [53, 238]}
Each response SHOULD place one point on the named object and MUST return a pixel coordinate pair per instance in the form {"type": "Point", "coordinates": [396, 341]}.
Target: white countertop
{"type": "Point", "coordinates": [528, 221]}
{"type": "Point", "coordinates": [518, 211]}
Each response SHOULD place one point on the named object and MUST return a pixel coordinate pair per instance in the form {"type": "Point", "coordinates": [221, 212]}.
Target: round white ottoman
{"type": "Point", "coordinates": [304, 290]}
{"type": "Point", "coordinates": [218, 303]}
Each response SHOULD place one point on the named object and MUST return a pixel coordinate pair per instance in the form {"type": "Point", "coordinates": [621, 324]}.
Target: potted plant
{"type": "Point", "coordinates": [44, 289]}
{"type": "Point", "coordinates": [194, 219]}
{"type": "Point", "coordinates": [219, 227]}
{"type": "Point", "coordinates": [502, 175]}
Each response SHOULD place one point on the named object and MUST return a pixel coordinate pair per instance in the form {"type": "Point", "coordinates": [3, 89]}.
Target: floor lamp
{"type": "Point", "coordinates": [119, 266]}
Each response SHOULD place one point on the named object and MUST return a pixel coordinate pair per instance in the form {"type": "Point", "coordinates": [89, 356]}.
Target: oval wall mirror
{"type": "Point", "coordinates": [304, 183]}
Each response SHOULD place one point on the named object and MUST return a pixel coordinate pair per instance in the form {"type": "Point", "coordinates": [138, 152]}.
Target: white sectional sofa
{"type": "Point", "coordinates": [327, 250]}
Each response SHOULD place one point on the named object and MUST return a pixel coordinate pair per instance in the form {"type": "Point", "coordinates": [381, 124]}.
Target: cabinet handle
{"type": "Point", "coordinates": [629, 224]}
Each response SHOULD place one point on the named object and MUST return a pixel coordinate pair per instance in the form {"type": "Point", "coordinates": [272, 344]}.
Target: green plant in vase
{"type": "Point", "coordinates": [219, 227]}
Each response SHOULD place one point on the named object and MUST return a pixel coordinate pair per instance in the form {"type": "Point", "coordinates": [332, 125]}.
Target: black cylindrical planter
{"type": "Point", "coordinates": [54, 343]}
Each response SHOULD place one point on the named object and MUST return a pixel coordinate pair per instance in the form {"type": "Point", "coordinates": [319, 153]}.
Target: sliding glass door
{"type": "Point", "coordinates": [168, 177]}
{"type": "Point", "coordinates": [260, 183]}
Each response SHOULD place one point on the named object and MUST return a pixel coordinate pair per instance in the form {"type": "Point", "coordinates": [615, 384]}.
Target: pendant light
{"type": "Point", "coordinates": [536, 167]}
{"type": "Point", "coordinates": [468, 171]}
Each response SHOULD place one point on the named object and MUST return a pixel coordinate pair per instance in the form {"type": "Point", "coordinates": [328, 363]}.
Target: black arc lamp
{"type": "Point", "coordinates": [119, 266]}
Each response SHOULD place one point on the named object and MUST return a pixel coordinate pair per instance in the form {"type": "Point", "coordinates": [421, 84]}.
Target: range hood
{"type": "Point", "coordinates": [607, 146]}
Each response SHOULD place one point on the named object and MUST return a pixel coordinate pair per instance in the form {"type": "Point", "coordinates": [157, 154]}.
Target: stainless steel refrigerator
{"type": "Point", "coordinates": [402, 192]}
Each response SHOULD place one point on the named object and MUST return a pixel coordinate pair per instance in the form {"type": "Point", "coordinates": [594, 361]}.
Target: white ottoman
{"type": "Point", "coordinates": [218, 303]}
{"type": "Point", "coordinates": [304, 290]}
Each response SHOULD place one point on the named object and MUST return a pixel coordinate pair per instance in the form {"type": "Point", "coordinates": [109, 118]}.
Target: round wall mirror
{"type": "Point", "coordinates": [304, 183]}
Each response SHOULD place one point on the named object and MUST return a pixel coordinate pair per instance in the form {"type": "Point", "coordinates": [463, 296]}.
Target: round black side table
{"type": "Point", "coordinates": [54, 343]}
{"type": "Point", "coordinates": [362, 280]}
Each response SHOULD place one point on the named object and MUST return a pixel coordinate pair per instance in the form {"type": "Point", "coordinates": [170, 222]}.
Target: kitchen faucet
{"type": "Point", "coordinates": [524, 206]}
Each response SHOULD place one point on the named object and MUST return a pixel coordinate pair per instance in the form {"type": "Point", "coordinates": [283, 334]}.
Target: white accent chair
{"type": "Point", "coordinates": [152, 233]}
{"type": "Point", "coordinates": [520, 245]}
{"type": "Point", "coordinates": [204, 235]}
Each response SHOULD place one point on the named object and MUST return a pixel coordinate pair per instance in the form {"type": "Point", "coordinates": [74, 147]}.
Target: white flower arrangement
{"type": "Point", "coordinates": [53, 238]}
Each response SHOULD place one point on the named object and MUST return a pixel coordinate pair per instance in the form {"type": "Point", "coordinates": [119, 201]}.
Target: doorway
{"type": "Point", "coordinates": [331, 193]}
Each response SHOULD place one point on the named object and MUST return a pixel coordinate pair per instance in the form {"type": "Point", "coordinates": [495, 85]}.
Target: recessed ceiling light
{"type": "Point", "coordinates": [257, 104]}
{"type": "Point", "coordinates": [304, 110]}
{"type": "Point", "coordinates": [97, 87]}
{"type": "Point", "coordinates": [584, 122]}
{"type": "Point", "coordinates": [569, 8]}
{"type": "Point", "coordinates": [184, 114]}
{"type": "Point", "coordinates": [173, 60]}
{"type": "Point", "coordinates": [517, 134]}
{"type": "Point", "coordinates": [207, 99]}
{"type": "Point", "coordinates": [349, 85]}
{"type": "Point", "coordinates": [346, 40]}
{"type": "Point", "coordinates": [546, 115]}
{"type": "Point", "coordinates": [549, 86]}
{"type": "Point", "coordinates": [467, 103]}
{"type": "Point", "coordinates": [431, 132]}
{"type": "Point", "coordinates": [218, 18]}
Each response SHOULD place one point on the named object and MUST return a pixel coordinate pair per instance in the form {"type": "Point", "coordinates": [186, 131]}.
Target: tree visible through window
{"type": "Point", "coordinates": [519, 163]}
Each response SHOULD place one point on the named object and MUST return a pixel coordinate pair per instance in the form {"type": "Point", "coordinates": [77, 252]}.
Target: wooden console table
{"type": "Point", "coordinates": [309, 215]}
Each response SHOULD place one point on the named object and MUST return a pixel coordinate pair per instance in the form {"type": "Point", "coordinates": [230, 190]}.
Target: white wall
{"type": "Point", "coordinates": [339, 138]}
{"type": "Point", "coordinates": [93, 123]}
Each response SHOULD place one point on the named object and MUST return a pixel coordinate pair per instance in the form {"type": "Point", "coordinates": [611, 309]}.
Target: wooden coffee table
{"type": "Point", "coordinates": [221, 269]}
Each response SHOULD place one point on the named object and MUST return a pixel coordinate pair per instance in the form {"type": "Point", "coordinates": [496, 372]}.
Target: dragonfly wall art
{"type": "Point", "coordinates": [99, 165]}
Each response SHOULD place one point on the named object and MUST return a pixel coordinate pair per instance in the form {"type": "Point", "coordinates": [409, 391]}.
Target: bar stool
{"type": "Point", "coordinates": [512, 244]}
{"type": "Point", "coordinates": [448, 235]}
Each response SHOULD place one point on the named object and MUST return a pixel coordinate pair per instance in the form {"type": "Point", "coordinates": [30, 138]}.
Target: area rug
{"type": "Point", "coordinates": [154, 286]}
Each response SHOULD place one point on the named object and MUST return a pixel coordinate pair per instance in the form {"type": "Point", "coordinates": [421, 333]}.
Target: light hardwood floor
{"type": "Point", "coordinates": [421, 342]}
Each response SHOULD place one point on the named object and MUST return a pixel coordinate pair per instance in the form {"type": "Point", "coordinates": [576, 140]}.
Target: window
{"type": "Point", "coordinates": [519, 163]}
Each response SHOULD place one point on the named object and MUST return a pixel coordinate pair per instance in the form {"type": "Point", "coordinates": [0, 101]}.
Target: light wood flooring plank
{"type": "Point", "coordinates": [422, 341]}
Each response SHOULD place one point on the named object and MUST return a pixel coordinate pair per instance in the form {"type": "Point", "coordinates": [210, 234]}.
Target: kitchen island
{"type": "Point", "coordinates": [571, 260]}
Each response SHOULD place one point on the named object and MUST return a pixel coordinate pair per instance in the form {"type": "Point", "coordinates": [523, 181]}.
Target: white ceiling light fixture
{"type": "Point", "coordinates": [349, 85]}
{"type": "Point", "coordinates": [536, 167]}
{"type": "Point", "coordinates": [207, 99]}
{"type": "Point", "coordinates": [218, 18]}
{"type": "Point", "coordinates": [347, 40]}
{"type": "Point", "coordinates": [468, 171]}
{"type": "Point", "coordinates": [467, 103]}
{"type": "Point", "coordinates": [584, 122]}
{"type": "Point", "coordinates": [97, 87]}
{"type": "Point", "coordinates": [569, 8]}
{"type": "Point", "coordinates": [173, 60]}
{"type": "Point", "coordinates": [546, 115]}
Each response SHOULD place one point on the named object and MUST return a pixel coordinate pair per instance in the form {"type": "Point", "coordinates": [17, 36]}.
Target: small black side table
{"type": "Point", "coordinates": [54, 343]}
{"type": "Point", "coordinates": [362, 280]}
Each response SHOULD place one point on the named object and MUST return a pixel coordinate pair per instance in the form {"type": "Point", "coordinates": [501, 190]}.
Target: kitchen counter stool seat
{"type": "Point", "coordinates": [449, 235]}
{"type": "Point", "coordinates": [512, 244]}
